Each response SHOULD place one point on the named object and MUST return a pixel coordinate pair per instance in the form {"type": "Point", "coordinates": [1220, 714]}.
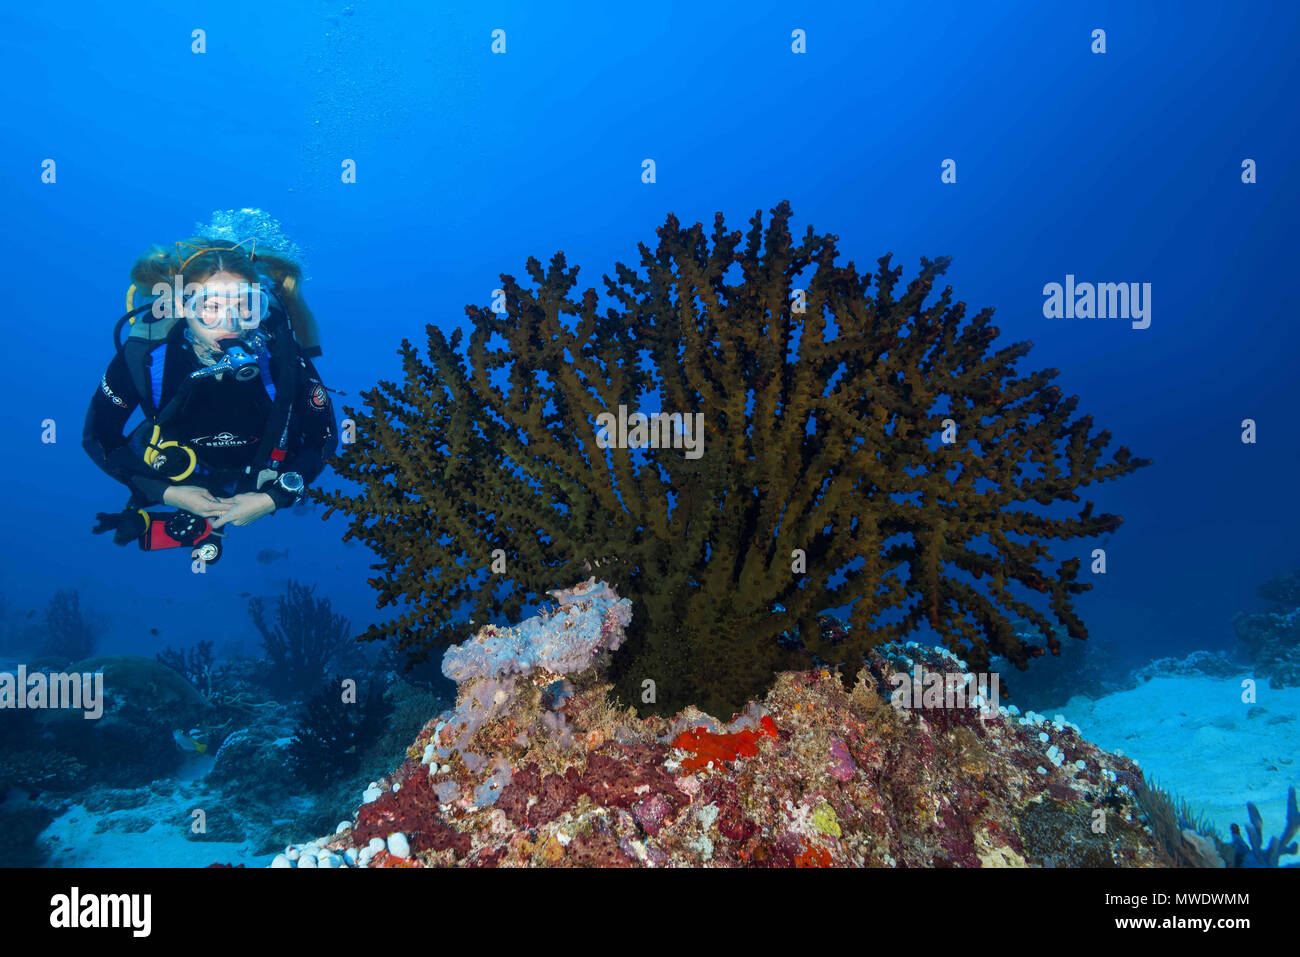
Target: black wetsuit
{"type": "Point", "coordinates": [221, 420]}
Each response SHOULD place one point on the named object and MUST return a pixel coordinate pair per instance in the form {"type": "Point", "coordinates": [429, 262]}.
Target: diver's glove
{"type": "Point", "coordinates": [127, 526]}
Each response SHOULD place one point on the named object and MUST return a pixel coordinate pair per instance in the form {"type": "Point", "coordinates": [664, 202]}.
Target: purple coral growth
{"type": "Point", "coordinates": [842, 763]}
{"type": "Point", "coordinates": [591, 618]}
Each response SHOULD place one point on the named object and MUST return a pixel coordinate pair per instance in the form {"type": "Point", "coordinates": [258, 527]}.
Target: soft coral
{"type": "Point", "coordinates": [1257, 855]}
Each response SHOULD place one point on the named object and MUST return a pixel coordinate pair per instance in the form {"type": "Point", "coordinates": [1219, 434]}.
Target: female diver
{"type": "Point", "coordinates": [237, 420]}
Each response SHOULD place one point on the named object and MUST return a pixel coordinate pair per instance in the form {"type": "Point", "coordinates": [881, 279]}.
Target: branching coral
{"type": "Point", "coordinates": [857, 450]}
{"type": "Point", "coordinates": [68, 634]}
{"type": "Point", "coordinates": [305, 642]}
{"type": "Point", "coordinates": [194, 663]}
{"type": "Point", "coordinates": [332, 735]}
{"type": "Point", "coordinates": [1183, 837]}
{"type": "Point", "coordinates": [1257, 854]}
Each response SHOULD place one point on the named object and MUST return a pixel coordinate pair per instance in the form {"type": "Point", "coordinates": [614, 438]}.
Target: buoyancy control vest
{"type": "Point", "coordinates": [145, 353]}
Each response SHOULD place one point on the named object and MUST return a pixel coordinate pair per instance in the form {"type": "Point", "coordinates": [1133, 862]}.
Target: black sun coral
{"type": "Point", "coordinates": [858, 451]}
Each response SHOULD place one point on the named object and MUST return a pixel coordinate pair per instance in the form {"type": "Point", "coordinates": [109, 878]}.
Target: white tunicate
{"type": "Point", "coordinates": [1042, 736]}
{"type": "Point", "coordinates": [371, 794]}
{"type": "Point", "coordinates": [398, 845]}
{"type": "Point", "coordinates": [343, 826]}
{"type": "Point", "coordinates": [281, 861]}
{"type": "Point", "coordinates": [307, 860]}
{"type": "Point", "coordinates": [350, 855]}
{"type": "Point", "coordinates": [1042, 770]}
{"type": "Point", "coordinates": [291, 852]}
{"type": "Point", "coordinates": [1081, 764]}
{"type": "Point", "coordinates": [376, 845]}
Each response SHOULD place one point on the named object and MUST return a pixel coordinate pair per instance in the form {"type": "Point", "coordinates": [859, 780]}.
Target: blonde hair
{"type": "Point", "coordinates": [161, 265]}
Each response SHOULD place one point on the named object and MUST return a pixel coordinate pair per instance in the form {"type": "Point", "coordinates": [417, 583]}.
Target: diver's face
{"type": "Point", "coordinates": [218, 310]}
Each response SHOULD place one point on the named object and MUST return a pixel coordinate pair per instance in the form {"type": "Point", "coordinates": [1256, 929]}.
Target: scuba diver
{"type": "Point", "coordinates": [237, 420]}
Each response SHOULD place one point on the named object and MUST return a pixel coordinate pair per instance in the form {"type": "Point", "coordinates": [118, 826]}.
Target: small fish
{"type": "Point", "coordinates": [32, 613]}
{"type": "Point", "coordinates": [350, 543]}
{"type": "Point", "coordinates": [191, 741]}
{"type": "Point", "coordinates": [245, 594]}
{"type": "Point", "coordinates": [268, 555]}
{"type": "Point", "coordinates": [154, 631]}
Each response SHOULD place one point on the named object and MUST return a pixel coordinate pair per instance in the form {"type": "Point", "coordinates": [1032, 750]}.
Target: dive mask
{"type": "Point", "coordinates": [236, 307]}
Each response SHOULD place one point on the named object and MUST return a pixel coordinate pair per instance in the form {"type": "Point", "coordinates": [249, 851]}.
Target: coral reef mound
{"type": "Point", "coordinates": [537, 767]}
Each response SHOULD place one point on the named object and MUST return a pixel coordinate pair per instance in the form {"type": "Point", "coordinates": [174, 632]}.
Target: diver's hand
{"type": "Point", "coordinates": [245, 508]}
{"type": "Point", "coordinates": [195, 499]}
